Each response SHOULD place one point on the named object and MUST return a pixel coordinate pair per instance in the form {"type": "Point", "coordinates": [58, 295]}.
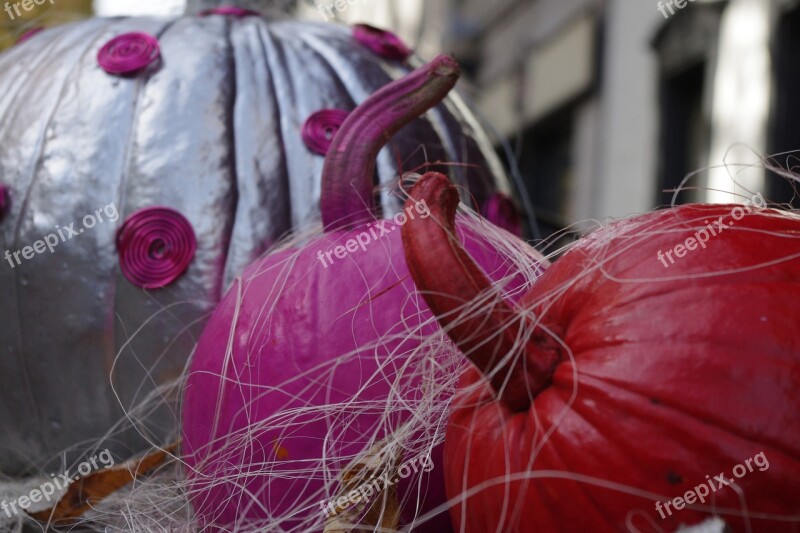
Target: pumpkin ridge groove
{"type": "Point", "coordinates": [41, 142]}
{"type": "Point", "coordinates": [15, 89]}
{"type": "Point", "coordinates": [35, 406]}
{"type": "Point", "coordinates": [544, 440]}
{"type": "Point", "coordinates": [266, 33]}
{"type": "Point", "coordinates": [322, 50]}
{"type": "Point", "coordinates": [230, 118]}
{"type": "Point", "coordinates": [122, 194]}
{"type": "Point", "coordinates": [312, 43]}
{"type": "Point", "coordinates": [133, 125]}
{"type": "Point", "coordinates": [556, 441]}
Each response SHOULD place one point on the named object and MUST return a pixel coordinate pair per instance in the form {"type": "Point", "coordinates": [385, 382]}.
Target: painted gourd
{"type": "Point", "coordinates": [312, 358]}
{"type": "Point", "coordinates": [640, 390]}
{"type": "Point", "coordinates": [210, 126]}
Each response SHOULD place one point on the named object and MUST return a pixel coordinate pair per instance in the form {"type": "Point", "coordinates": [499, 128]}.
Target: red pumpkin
{"type": "Point", "coordinates": [619, 390]}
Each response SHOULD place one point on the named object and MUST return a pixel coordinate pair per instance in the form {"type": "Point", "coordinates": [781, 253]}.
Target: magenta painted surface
{"type": "Point", "coordinates": [348, 196]}
{"type": "Point", "coordinates": [321, 127]}
{"type": "Point", "coordinates": [155, 247]}
{"type": "Point", "coordinates": [29, 33]}
{"type": "Point", "coordinates": [501, 211]}
{"type": "Point", "coordinates": [5, 200]}
{"type": "Point", "coordinates": [383, 42]}
{"type": "Point", "coordinates": [128, 53]}
{"type": "Point", "coordinates": [288, 319]}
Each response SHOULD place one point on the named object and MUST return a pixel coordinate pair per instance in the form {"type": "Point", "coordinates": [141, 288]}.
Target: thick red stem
{"type": "Point", "coordinates": [348, 197]}
{"type": "Point", "coordinates": [449, 278]}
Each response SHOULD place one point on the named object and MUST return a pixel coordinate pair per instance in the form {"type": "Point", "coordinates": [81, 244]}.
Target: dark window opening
{"type": "Point", "coordinates": [546, 165]}
{"type": "Point", "coordinates": [785, 131]}
{"type": "Point", "coordinates": [684, 134]}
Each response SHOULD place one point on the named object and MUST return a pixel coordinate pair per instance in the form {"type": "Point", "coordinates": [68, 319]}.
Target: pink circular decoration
{"type": "Point", "coordinates": [501, 211]}
{"type": "Point", "coordinates": [28, 34]}
{"type": "Point", "coordinates": [232, 11]}
{"type": "Point", "coordinates": [128, 53]}
{"type": "Point", "coordinates": [5, 201]}
{"type": "Point", "coordinates": [155, 246]}
{"type": "Point", "coordinates": [384, 43]}
{"type": "Point", "coordinates": [321, 127]}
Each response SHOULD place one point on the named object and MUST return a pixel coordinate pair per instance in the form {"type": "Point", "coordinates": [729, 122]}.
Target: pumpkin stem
{"type": "Point", "coordinates": [347, 177]}
{"type": "Point", "coordinates": [448, 278]}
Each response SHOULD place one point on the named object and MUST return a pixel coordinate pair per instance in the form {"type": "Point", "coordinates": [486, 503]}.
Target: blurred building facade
{"type": "Point", "coordinates": [609, 103]}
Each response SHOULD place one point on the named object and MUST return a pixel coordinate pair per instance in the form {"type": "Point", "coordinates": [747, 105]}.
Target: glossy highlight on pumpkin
{"type": "Point", "coordinates": [128, 53]}
{"type": "Point", "coordinates": [383, 42]}
{"type": "Point", "coordinates": [320, 129]}
{"type": "Point", "coordinates": [155, 245]}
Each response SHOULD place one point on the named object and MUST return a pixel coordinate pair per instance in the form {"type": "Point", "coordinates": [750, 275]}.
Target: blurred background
{"type": "Point", "coordinates": [605, 107]}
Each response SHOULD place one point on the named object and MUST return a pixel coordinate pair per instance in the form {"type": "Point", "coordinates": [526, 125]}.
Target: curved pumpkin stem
{"type": "Point", "coordinates": [449, 278]}
{"type": "Point", "coordinates": [347, 177]}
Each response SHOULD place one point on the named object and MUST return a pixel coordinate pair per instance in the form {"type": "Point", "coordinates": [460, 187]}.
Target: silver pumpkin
{"type": "Point", "coordinates": [213, 132]}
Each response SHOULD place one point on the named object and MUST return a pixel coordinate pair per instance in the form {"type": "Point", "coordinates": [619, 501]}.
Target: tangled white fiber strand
{"type": "Point", "coordinates": [413, 359]}
{"type": "Point", "coordinates": [424, 380]}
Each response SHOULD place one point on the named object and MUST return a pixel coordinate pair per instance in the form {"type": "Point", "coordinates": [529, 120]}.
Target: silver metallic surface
{"type": "Point", "coordinates": [214, 132]}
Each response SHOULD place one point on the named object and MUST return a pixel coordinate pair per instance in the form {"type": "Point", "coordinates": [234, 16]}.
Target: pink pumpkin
{"type": "Point", "coordinates": [315, 354]}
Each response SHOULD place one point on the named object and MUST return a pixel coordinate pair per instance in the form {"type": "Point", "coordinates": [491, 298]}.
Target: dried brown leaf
{"type": "Point", "coordinates": [382, 510]}
{"type": "Point", "coordinates": [90, 489]}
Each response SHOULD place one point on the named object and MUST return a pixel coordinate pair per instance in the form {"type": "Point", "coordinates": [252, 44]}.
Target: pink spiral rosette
{"type": "Point", "coordinates": [28, 34]}
{"type": "Point", "coordinates": [321, 127]}
{"type": "Point", "coordinates": [128, 53]}
{"type": "Point", "coordinates": [231, 11]}
{"type": "Point", "coordinates": [501, 211]}
{"type": "Point", "coordinates": [384, 43]}
{"type": "Point", "coordinates": [5, 201]}
{"type": "Point", "coordinates": [155, 246]}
